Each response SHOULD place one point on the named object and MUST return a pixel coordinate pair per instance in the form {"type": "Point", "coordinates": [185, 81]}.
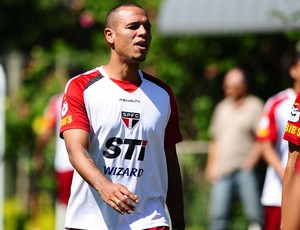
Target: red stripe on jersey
{"type": "Point", "coordinates": [73, 110]}
{"type": "Point", "coordinates": [129, 86]}
{"type": "Point", "coordinates": [159, 228]}
{"type": "Point", "coordinates": [297, 167]}
{"type": "Point", "coordinates": [292, 130]}
{"type": "Point", "coordinates": [172, 133]}
{"type": "Point", "coordinates": [269, 131]}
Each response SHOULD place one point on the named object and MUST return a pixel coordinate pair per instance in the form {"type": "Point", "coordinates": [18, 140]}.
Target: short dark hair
{"type": "Point", "coordinates": [110, 15]}
{"type": "Point", "coordinates": [295, 57]}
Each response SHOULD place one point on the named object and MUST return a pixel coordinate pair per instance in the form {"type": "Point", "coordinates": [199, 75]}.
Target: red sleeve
{"type": "Point", "coordinates": [73, 113]}
{"type": "Point", "coordinates": [172, 133]}
{"type": "Point", "coordinates": [292, 129]}
{"type": "Point", "coordinates": [267, 128]}
{"type": "Point", "coordinates": [297, 167]}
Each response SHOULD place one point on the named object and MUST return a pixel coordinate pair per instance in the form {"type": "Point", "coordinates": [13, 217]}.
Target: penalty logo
{"type": "Point", "coordinates": [130, 119]}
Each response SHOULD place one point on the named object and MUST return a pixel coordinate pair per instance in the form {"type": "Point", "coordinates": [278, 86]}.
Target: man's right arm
{"type": "Point", "coordinates": [288, 220]}
{"type": "Point", "coordinates": [211, 167]}
{"type": "Point", "coordinates": [293, 214]}
{"type": "Point", "coordinates": [271, 157]}
{"type": "Point", "coordinates": [115, 195]}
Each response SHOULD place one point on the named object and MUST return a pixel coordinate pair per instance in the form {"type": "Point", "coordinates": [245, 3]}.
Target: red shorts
{"type": "Point", "coordinates": [63, 183]}
{"type": "Point", "coordinates": [159, 228]}
{"type": "Point", "coordinates": [272, 217]}
{"type": "Point", "coordinates": [155, 228]}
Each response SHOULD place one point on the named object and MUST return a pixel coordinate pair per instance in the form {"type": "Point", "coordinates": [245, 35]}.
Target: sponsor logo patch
{"type": "Point", "coordinates": [130, 119]}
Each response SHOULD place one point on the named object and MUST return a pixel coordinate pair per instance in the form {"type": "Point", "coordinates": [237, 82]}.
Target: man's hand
{"type": "Point", "coordinates": [118, 197]}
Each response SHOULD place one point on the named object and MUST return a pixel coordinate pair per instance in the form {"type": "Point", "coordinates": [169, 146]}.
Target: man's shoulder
{"type": "Point", "coordinates": [280, 97]}
{"type": "Point", "coordinates": [157, 81]}
{"type": "Point", "coordinates": [154, 79]}
{"type": "Point", "coordinates": [254, 105]}
{"type": "Point", "coordinates": [221, 105]}
{"type": "Point", "coordinates": [84, 80]}
{"type": "Point", "coordinates": [253, 97]}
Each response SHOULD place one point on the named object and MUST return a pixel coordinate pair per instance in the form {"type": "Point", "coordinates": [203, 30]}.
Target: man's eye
{"type": "Point", "coordinates": [133, 27]}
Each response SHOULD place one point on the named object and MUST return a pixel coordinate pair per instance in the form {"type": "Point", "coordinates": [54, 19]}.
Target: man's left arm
{"type": "Point", "coordinates": [175, 202]}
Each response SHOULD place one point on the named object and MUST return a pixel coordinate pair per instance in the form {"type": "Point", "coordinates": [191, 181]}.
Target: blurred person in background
{"type": "Point", "coordinates": [274, 149]}
{"type": "Point", "coordinates": [291, 200]}
{"type": "Point", "coordinates": [291, 182]}
{"type": "Point", "coordinates": [62, 166]}
{"type": "Point", "coordinates": [232, 145]}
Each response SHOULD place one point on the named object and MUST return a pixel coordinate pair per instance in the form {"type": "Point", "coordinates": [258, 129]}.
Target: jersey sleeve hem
{"type": "Point", "coordinates": [291, 139]}
{"type": "Point", "coordinates": [174, 142]}
{"type": "Point", "coordinates": [72, 127]}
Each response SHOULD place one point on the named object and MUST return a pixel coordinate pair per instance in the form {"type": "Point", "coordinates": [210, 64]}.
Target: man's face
{"type": "Point", "coordinates": [132, 34]}
{"type": "Point", "coordinates": [233, 85]}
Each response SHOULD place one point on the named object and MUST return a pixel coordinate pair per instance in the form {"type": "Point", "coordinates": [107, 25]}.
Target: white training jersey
{"type": "Point", "coordinates": [128, 134]}
{"type": "Point", "coordinates": [272, 128]}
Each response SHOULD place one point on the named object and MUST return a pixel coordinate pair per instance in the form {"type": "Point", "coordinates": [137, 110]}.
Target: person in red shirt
{"type": "Point", "coordinates": [291, 183]}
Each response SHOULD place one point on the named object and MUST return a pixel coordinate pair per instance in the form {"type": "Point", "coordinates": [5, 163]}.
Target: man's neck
{"type": "Point", "coordinates": [239, 101]}
{"type": "Point", "coordinates": [122, 71]}
{"type": "Point", "coordinates": [296, 87]}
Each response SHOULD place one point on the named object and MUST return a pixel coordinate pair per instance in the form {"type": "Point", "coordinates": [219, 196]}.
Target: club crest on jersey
{"type": "Point", "coordinates": [64, 109]}
{"type": "Point", "coordinates": [295, 114]}
{"type": "Point", "coordinates": [130, 119]}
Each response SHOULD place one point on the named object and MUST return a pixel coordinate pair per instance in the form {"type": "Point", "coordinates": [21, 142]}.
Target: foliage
{"type": "Point", "coordinates": [194, 67]}
{"type": "Point", "coordinates": [196, 190]}
{"type": "Point", "coordinates": [14, 216]}
{"type": "Point", "coordinates": [52, 35]}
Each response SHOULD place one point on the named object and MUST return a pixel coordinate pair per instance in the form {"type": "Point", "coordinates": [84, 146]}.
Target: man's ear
{"type": "Point", "coordinates": [109, 35]}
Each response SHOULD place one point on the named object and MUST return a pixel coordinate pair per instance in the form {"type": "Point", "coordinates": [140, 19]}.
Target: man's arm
{"type": "Point", "coordinates": [288, 218]}
{"type": "Point", "coordinates": [211, 167]}
{"type": "Point", "coordinates": [115, 195]}
{"type": "Point", "coordinates": [175, 202]}
{"type": "Point", "coordinates": [271, 157]}
{"type": "Point", "coordinates": [294, 209]}
{"type": "Point", "coordinates": [254, 156]}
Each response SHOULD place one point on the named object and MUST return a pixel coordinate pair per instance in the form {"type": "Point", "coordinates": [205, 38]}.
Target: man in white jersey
{"type": "Point", "coordinates": [120, 127]}
{"type": "Point", "coordinates": [275, 151]}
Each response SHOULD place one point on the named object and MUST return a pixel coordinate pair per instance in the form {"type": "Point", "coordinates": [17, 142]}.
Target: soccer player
{"type": "Point", "coordinates": [275, 151]}
{"type": "Point", "coordinates": [291, 193]}
{"type": "Point", "coordinates": [120, 127]}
